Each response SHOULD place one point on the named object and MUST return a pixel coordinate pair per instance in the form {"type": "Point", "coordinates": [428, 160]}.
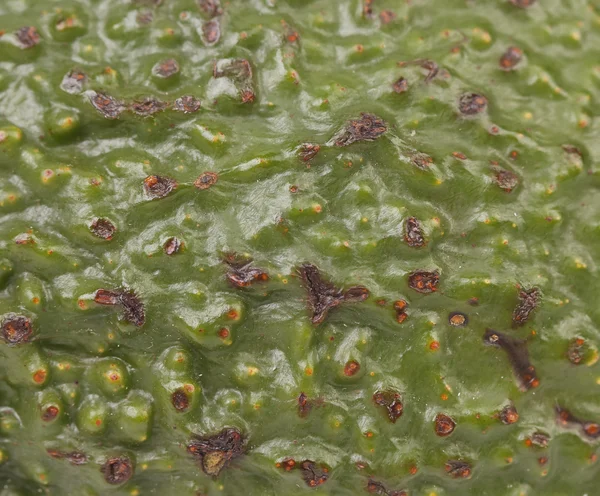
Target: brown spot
{"type": "Point", "coordinates": [529, 300]}
{"type": "Point", "coordinates": [474, 301]}
{"type": "Point", "coordinates": [74, 457]}
{"type": "Point", "coordinates": [117, 470]}
{"type": "Point", "coordinates": [223, 333]}
{"type": "Point", "coordinates": [576, 351]}
{"type": "Point", "coordinates": [413, 233]}
{"type": "Point", "coordinates": [172, 246]}
{"type": "Point", "coordinates": [458, 469]}
{"type": "Point", "coordinates": [290, 34]}
{"type": "Point", "coordinates": [39, 376]}
{"type": "Point", "coordinates": [434, 346]}
{"type": "Point", "coordinates": [444, 425]}
{"type": "Point", "coordinates": [589, 429]}
{"type": "Point", "coordinates": [211, 32]}
{"type": "Point", "coordinates": [73, 82]}
{"type": "Point", "coordinates": [240, 71]}
{"type": "Point", "coordinates": [472, 104]}
{"type": "Point", "coordinates": [459, 155]}
{"type": "Point", "coordinates": [50, 413]}
{"type": "Point", "coordinates": [206, 180]}
{"type": "Point", "coordinates": [422, 160]}
{"type": "Point", "coordinates": [103, 228]}
{"type": "Point", "coordinates": [28, 37]}
{"type": "Point", "coordinates": [307, 151]}
{"type": "Point", "coordinates": [423, 281]}
{"type": "Point", "coordinates": [293, 188]}
{"type": "Point", "coordinates": [386, 16]}
{"type": "Point", "coordinates": [516, 349]}
{"type": "Point", "coordinates": [542, 460]}
{"type": "Point", "coordinates": [509, 415]}
{"type": "Point", "coordinates": [400, 86]}
{"type": "Point", "coordinates": [287, 464]}
{"type": "Point", "coordinates": [392, 402]}
{"type": "Point", "coordinates": [324, 296]}
{"type": "Point", "coordinates": [458, 319]}
{"type": "Point", "coordinates": [159, 186]}
{"type": "Point", "coordinates": [376, 487]}
{"type": "Point", "coordinates": [351, 368]}
{"type": "Point", "coordinates": [368, 127]}
{"type": "Point", "coordinates": [247, 96]}
{"type": "Point", "coordinates": [148, 106]}
{"type": "Point", "coordinates": [401, 317]}
{"type": "Point", "coordinates": [368, 8]}
{"type": "Point", "coordinates": [180, 400]}
{"type": "Point", "coordinates": [216, 452]}
{"type": "Point", "coordinates": [186, 104]}
{"type": "Point", "coordinates": [166, 68]}
{"type": "Point", "coordinates": [522, 3]}
{"type": "Point", "coordinates": [506, 179]}
{"type": "Point", "coordinates": [108, 106]}
{"type": "Point", "coordinates": [133, 308]}
{"type": "Point", "coordinates": [432, 68]}
{"type": "Point", "coordinates": [511, 58]}
{"type": "Point", "coordinates": [241, 272]}
{"type": "Point", "coordinates": [312, 475]}
{"type": "Point", "coordinates": [212, 8]}
{"type": "Point", "coordinates": [16, 329]}
{"type": "Point", "coordinates": [304, 405]}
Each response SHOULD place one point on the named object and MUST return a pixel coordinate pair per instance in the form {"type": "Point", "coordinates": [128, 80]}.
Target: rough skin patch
{"type": "Point", "coordinates": [16, 329]}
{"type": "Point", "coordinates": [308, 151]}
{"type": "Point", "coordinates": [444, 425]}
{"type": "Point", "coordinates": [186, 104]}
{"type": "Point", "coordinates": [423, 281]}
{"type": "Point", "coordinates": [216, 452]}
{"type": "Point", "coordinates": [133, 308]}
{"type": "Point", "coordinates": [458, 469]}
{"type": "Point", "coordinates": [324, 296]}
{"type": "Point", "coordinates": [108, 106]}
{"type": "Point", "coordinates": [73, 82]}
{"type": "Point", "coordinates": [206, 180]}
{"type": "Point", "coordinates": [28, 37]}
{"type": "Point", "coordinates": [103, 228]}
{"type": "Point", "coordinates": [148, 106]}
{"type": "Point", "coordinates": [413, 233]}
{"type": "Point", "coordinates": [511, 58]}
{"type": "Point", "coordinates": [368, 127]}
{"type": "Point", "coordinates": [472, 104]}
{"type": "Point", "coordinates": [241, 273]}
{"type": "Point", "coordinates": [529, 299]}
{"type": "Point", "coordinates": [159, 186]}
{"type": "Point", "coordinates": [391, 402]}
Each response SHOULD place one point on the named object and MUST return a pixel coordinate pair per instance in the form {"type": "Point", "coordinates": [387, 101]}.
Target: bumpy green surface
{"type": "Point", "coordinates": [112, 381]}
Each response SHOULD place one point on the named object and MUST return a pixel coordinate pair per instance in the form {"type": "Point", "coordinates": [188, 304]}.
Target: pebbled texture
{"type": "Point", "coordinates": [96, 96]}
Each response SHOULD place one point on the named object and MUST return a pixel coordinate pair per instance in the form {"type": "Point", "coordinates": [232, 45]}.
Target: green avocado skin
{"type": "Point", "coordinates": [472, 123]}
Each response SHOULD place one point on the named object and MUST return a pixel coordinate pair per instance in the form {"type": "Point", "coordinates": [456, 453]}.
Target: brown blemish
{"type": "Point", "coordinates": [391, 402]}
{"type": "Point", "coordinates": [215, 452]}
{"type": "Point", "coordinates": [444, 425]}
{"type": "Point", "coordinates": [423, 281]}
{"type": "Point", "coordinates": [368, 127]}
{"type": "Point", "coordinates": [117, 470]}
{"type": "Point", "coordinates": [159, 186]}
{"type": "Point", "coordinates": [206, 180]}
{"type": "Point", "coordinates": [16, 329]}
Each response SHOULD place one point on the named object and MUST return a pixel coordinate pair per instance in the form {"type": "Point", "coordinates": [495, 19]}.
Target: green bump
{"type": "Point", "coordinates": [110, 375]}
{"type": "Point", "coordinates": [133, 417]}
{"type": "Point", "coordinates": [93, 415]}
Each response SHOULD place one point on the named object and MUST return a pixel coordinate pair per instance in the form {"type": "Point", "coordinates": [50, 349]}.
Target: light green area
{"type": "Point", "coordinates": [62, 164]}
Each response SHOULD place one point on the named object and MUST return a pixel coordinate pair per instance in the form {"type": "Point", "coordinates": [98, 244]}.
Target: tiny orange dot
{"type": "Point", "coordinates": [308, 371]}
{"type": "Point", "coordinates": [413, 469]}
{"type": "Point", "coordinates": [98, 422]}
{"type": "Point", "coordinates": [444, 396]}
{"type": "Point", "coordinates": [434, 346]}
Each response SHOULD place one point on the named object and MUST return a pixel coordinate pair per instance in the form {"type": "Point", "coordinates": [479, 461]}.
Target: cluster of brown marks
{"type": "Point", "coordinates": [73, 82]}
{"type": "Point", "coordinates": [576, 351]}
{"type": "Point", "coordinates": [413, 233]}
{"type": "Point", "coordinates": [172, 246]}
{"type": "Point", "coordinates": [180, 400]}
{"type": "Point", "coordinates": [423, 281]}
{"type": "Point", "coordinates": [211, 32]}
{"type": "Point", "coordinates": [307, 151]}
{"type": "Point", "coordinates": [400, 308]}
{"type": "Point", "coordinates": [351, 368]}
{"type": "Point", "coordinates": [458, 319]}
{"type": "Point", "coordinates": [287, 464]}
{"type": "Point", "coordinates": [16, 329]}
{"type": "Point", "coordinates": [509, 415]}
{"type": "Point", "coordinates": [186, 104]}
{"type": "Point", "coordinates": [522, 3]}
{"type": "Point", "coordinates": [159, 186]}
{"type": "Point", "coordinates": [444, 425]}
{"type": "Point", "coordinates": [511, 58]}
{"type": "Point", "coordinates": [421, 160]}
{"type": "Point", "coordinates": [529, 299]}
{"type": "Point", "coordinates": [206, 180]}
{"type": "Point", "coordinates": [539, 439]}
{"type": "Point", "coordinates": [376, 487]}
{"type": "Point", "coordinates": [516, 349]}
{"type": "Point", "coordinates": [28, 37]}
{"type": "Point", "coordinates": [368, 8]}
{"type": "Point", "coordinates": [458, 469]}
{"type": "Point", "coordinates": [472, 104]}
{"type": "Point", "coordinates": [108, 106]}
{"type": "Point", "coordinates": [241, 273]}
{"type": "Point", "coordinates": [386, 16]}
{"type": "Point", "coordinates": [211, 8]}
{"type": "Point", "coordinates": [591, 430]}
{"type": "Point", "coordinates": [312, 474]}
{"type": "Point", "coordinates": [166, 68]}
{"type": "Point", "coordinates": [148, 106]}
{"type": "Point", "coordinates": [240, 71]}
{"type": "Point", "coordinates": [430, 66]}
{"type": "Point", "coordinates": [117, 470]}
{"type": "Point", "coordinates": [400, 86]}
{"type": "Point", "coordinates": [103, 228]}
{"type": "Point", "coordinates": [323, 296]}
{"type": "Point", "coordinates": [391, 402]}
{"type": "Point", "coordinates": [133, 308]}
{"type": "Point", "coordinates": [216, 452]}
{"type": "Point", "coordinates": [368, 127]}
{"type": "Point", "coordinates": [74, 457]}
{"type": "Point", "coordinates": [50, 413]}
{"type": "Point", "coordinates": [505, 179]}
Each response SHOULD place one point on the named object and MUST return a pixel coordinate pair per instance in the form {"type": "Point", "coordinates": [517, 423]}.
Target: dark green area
{"type": "Point", "coordinates": [62, 164]}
